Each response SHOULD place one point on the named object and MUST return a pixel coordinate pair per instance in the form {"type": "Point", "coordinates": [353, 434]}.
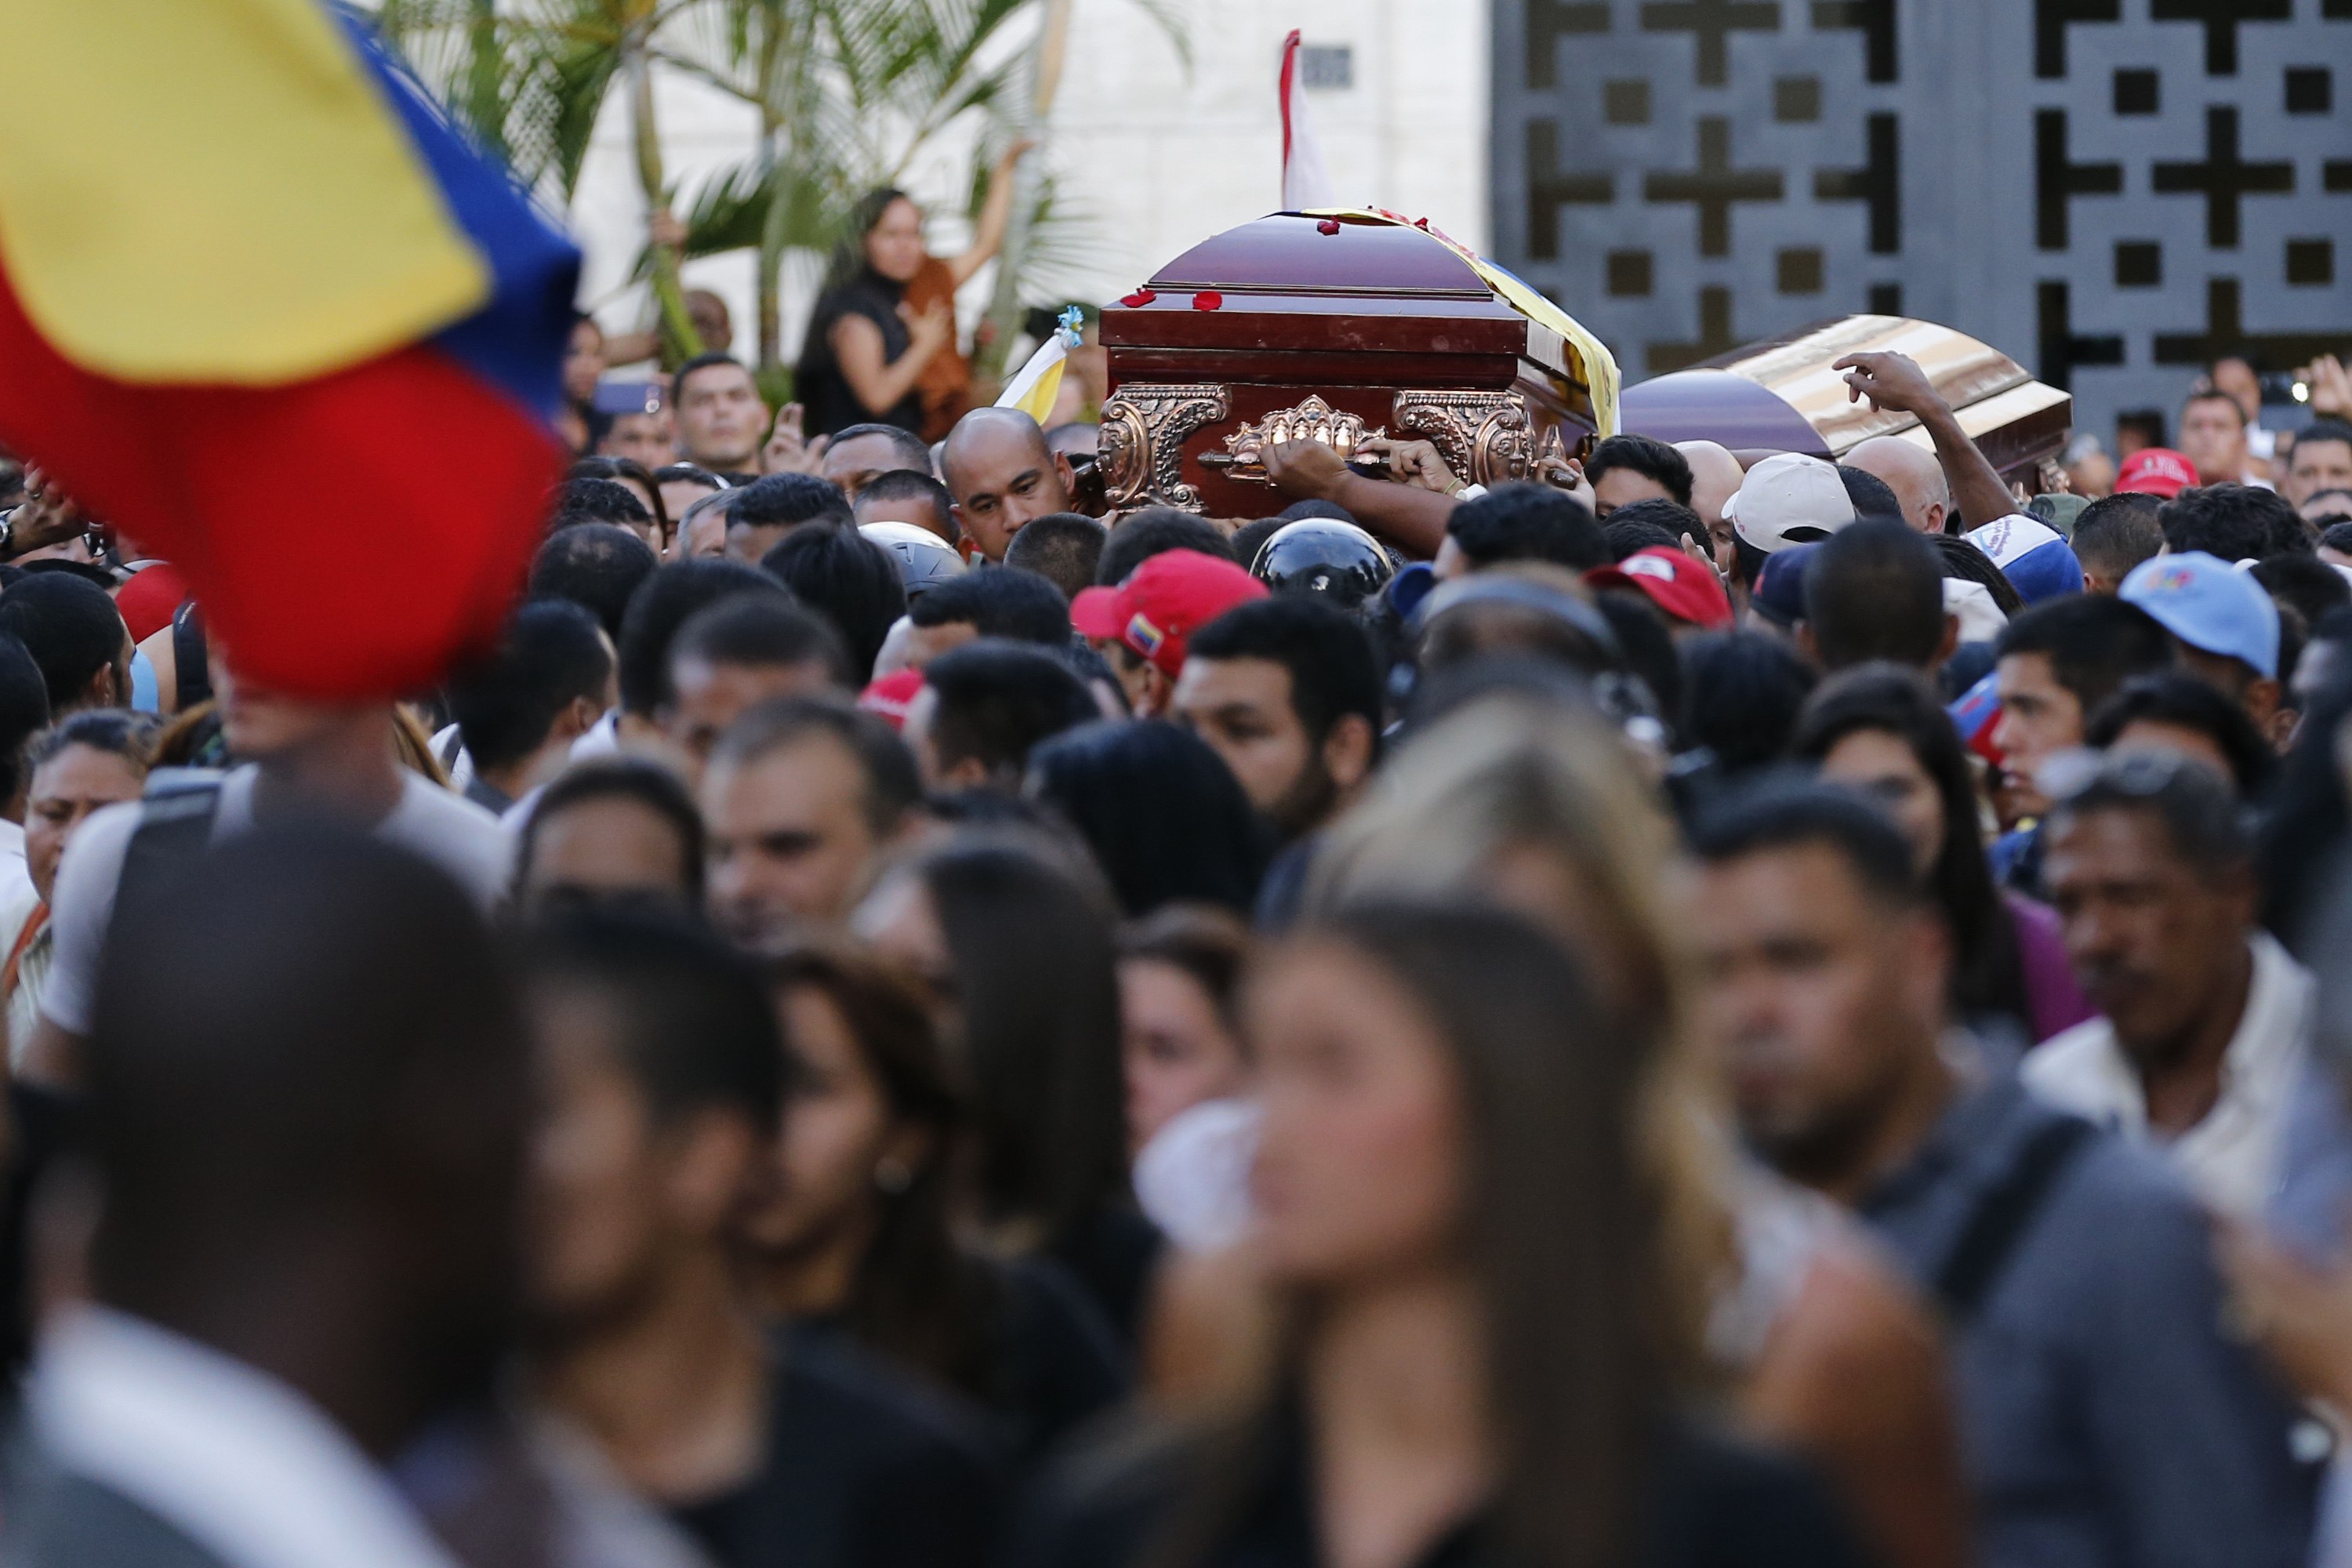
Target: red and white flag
{"type": "Point", "coordinates": [1306, 183]}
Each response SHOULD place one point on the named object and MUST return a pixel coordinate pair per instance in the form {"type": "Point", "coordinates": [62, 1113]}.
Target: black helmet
{"type": "Point", "coordinates": [1323, 555]}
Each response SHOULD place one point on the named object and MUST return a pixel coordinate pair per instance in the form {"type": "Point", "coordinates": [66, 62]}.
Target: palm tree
{"type": "Point", "coordinates": [848, 94]}
{"type": "Point", "coordinates": [528, 78]}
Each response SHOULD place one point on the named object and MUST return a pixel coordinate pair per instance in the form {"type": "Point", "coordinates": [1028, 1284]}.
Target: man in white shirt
{"type": "Point", "coordinates": [304, 759]}
{"type": "Point", "coordinates": [2208, 1021]}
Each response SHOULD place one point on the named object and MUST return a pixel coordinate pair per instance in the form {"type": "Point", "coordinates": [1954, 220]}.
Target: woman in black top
{"type": "Point", "coordinates": [1012, 934]}
{"type": "Point", "coordinates": [881, 344]}
{"type": "Point", "coordinates": [866, 348]}
{"type": "Point", "coordinates": [1450, 1206]}
{"type": "Point", "coordinates": [855, 1241]}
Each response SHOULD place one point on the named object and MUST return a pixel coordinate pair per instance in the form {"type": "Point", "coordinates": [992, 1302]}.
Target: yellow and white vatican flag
{"type": "Point", "coordinates": [1034, 389]}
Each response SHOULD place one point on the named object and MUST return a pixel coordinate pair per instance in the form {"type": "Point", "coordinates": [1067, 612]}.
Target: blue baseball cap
{"type": "Point", "coordinates": [1779, 592]}
{"type": "Point", "coordinates": [2211, 605]}
{"type": "Point", "coordinates": [2038, 563]}
{"type": "Point", "coordinates": [1410, 587]}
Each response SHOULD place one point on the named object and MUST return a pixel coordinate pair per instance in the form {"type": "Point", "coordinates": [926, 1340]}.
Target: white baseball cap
{"type": "Point", "coordinates": [1788, 499]}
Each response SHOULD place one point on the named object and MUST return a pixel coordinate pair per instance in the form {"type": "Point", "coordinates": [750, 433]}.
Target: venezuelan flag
{"type": "Point", "coordinates": [267, 312]}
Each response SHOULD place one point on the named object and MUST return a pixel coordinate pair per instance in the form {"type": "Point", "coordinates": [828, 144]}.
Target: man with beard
{"type": "Point", "coordinates": [1287, 691]}
{"type": "Point", "coordinates": [2106, 1414]}
{"type": "Point", "coordinates": [2206, 1020]}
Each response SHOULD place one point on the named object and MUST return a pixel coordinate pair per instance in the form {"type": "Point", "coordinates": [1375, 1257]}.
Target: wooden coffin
{"type": "Point", "coordinates": [1334, 329]}
{"type": "Point", "coordinates": [1780, 395]}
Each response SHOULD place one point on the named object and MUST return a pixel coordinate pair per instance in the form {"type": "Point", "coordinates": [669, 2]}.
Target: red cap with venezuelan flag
{"type": "Point", "coordinates": [268, 313]}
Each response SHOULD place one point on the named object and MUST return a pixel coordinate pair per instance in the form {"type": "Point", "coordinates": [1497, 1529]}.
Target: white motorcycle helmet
{"type": "Point", "coordinates": [924, 558]}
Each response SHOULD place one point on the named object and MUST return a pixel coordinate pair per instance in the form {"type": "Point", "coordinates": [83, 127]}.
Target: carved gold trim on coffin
{"type": "Point", "coordinates": [1484, 436]}
{"type": "Point", "coordinates": [1141, 445]}
{"type": "Point", "coordinates": [1313, 420]}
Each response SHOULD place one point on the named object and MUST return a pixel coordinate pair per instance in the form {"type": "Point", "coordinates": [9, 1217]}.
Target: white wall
{"type": "Point", "coordinates": [1152, 158]}
{"type": "Point", "coordinates": [1165, 160]}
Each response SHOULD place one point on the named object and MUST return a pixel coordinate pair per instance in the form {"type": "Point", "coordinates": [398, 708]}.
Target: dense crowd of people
{"type": "Point", "coordinates": [1693, 1009]}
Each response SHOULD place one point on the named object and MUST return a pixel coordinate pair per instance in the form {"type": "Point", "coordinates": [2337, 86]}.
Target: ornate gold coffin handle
{"type": "Point", "coordinates": [1313, 420]}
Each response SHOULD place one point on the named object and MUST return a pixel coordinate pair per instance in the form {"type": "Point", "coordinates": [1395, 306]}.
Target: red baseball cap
{"type": "Point", "coordinates": [2157, 471]}
{"type": "Point", "coordinates": [1162, 603]}
{"type": "Point", "coordinates": [892, 695]}
{"type": "Point", "coordinates": [149, 601]}
{"type": "Point", "coordinates": [1677, 584]}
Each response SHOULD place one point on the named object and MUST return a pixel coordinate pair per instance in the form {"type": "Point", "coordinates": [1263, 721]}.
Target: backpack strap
{"type": "Point", "coordinates": [191, 659]}
{"type": "Point", "coordinates": [2005, 1214]}
{"type": "Point", "coordinates": [175, 822]}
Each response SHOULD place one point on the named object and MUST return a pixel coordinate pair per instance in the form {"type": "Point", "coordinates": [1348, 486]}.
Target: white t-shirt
{"type": "Point", "coordinates": [15, 881]}
{"type": "Point", "coordinates": [454, 757]}
{"type": "Point", "coordinates": [2232, 1157]}
{"type": "Point", "coordinates": [454, 834]}
{"type": "Point", "coordinates": [602, 739]}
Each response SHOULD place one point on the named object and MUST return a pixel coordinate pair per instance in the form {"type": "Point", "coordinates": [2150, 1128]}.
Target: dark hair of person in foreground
{"type": "Point", "coordinates": [308, 1093]}
{"type": "Point", "coordinates": [1163, 815]}
{"type": "Point", "coordinates": [1027, 990]}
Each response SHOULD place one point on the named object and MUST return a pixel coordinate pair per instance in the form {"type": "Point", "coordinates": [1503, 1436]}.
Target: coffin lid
{"type": "Point", "coordinates": [1780, 393]}
{"type": "Point", "coordinates": [1289, 253]}
{"type": "Point", "coordinates": [1289, 262]}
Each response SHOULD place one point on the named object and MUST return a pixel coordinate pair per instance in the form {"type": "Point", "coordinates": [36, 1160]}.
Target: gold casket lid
{"type": "Point", "coordinates": [1780, 393]}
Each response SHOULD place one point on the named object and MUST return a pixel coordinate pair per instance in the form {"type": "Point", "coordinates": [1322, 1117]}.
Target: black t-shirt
{"type": "Point", "coordinates": [1112, 1252]}
{"type": "Point", "coordinates": [1713, 1503]}
{"type": "Point", "coordinates": [1050, 1362]}
{"type": "Point", "coordinates": [1063, 1363]}
{"type": "Point", "coordinates": [825, 393]}
{"type": "Point", "coordinates": [863, 1470]}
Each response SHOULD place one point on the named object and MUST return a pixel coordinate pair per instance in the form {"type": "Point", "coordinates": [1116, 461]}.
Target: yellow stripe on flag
{"type": "Point", "coordinates": [1040, 382]}
{"type": "Point", "coordinates": [1599, 365]}
{"type": "Point", "coordinates": [216, 191]}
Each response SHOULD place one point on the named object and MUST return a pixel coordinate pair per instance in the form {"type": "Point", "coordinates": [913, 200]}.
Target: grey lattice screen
{"type": "Point", "coordinates": [2105, 188]}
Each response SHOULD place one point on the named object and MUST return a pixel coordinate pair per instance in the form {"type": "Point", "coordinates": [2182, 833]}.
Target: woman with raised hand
{"type": "Point", "coordinates": [881, 344]}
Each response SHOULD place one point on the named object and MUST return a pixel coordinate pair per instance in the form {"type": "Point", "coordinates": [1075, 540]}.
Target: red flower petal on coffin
{"type": "Point", "coordinates": [1328, 225]}
{"type": "Point", "coordinates": [1140, 298]}
{"type": "Point", "coordinates": [1207, 300]}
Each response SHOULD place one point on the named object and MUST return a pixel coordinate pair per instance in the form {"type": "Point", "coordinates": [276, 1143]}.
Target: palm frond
{"type": "Point", "coordinates": [525, 78]}
{"type": "Point", "coordinates": [729, 211]}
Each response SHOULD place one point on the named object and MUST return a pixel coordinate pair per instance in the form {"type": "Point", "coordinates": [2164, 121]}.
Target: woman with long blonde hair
{"type": "Point", "coordinates": [1457, 1237]}
{"type": "Point", "coordinates": [1777, 1306]}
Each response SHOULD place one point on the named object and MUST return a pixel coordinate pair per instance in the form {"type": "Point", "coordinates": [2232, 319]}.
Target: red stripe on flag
{"type": "Point", "coordinates": [349, 537]}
